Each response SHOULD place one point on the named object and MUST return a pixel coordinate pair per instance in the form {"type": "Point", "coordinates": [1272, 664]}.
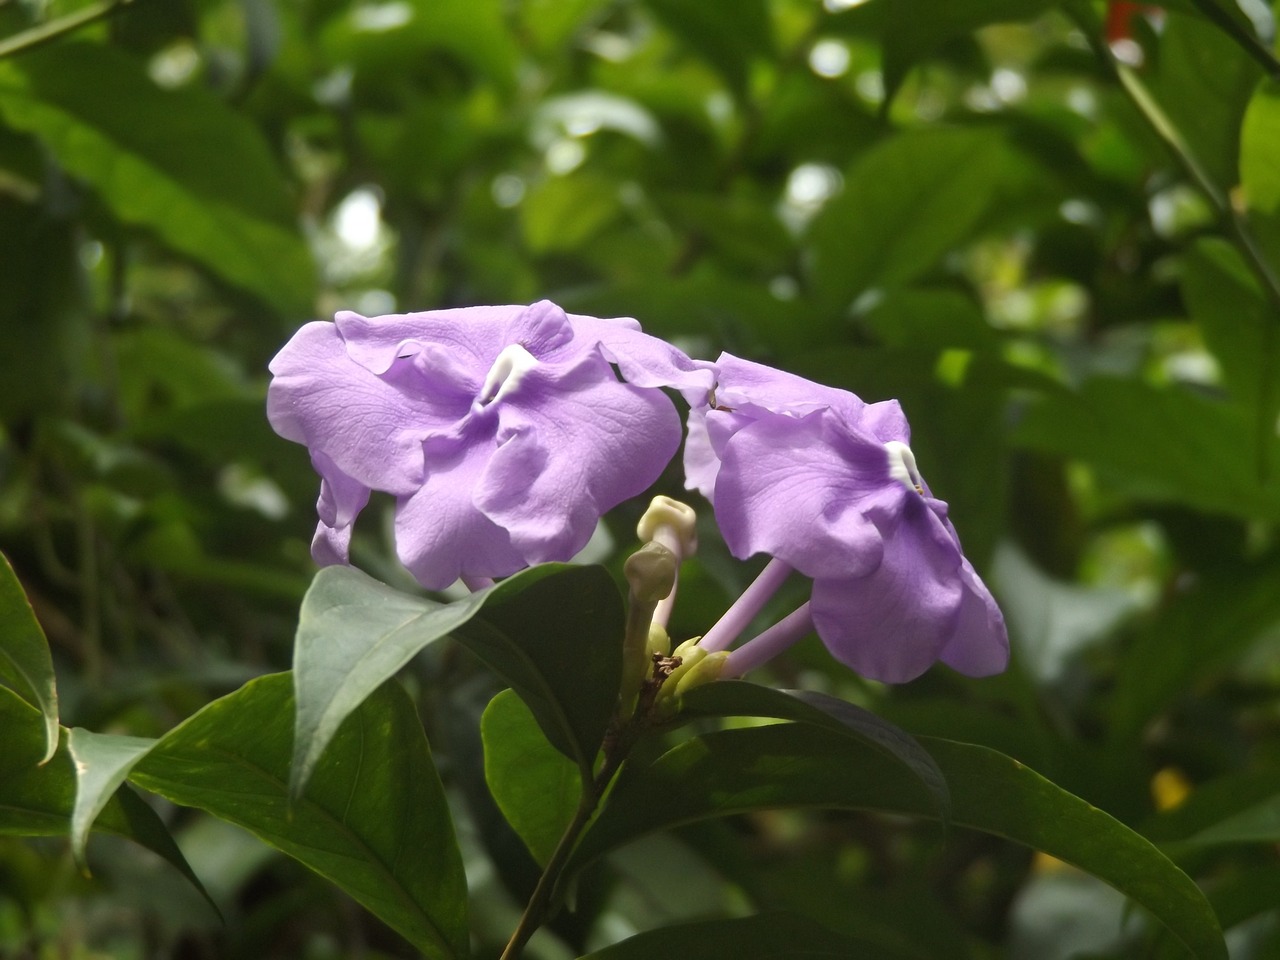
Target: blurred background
{"type": "Point", "coordinates": [1052, 230]}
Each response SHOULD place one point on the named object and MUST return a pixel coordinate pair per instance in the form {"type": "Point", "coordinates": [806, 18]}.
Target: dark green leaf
{"type": "Point", "coordinates": [728, 33]}
{"type": "Point", "coordinates": [777, 936]}
{"type": "Point", "coordinates": [37, 798]}
{"type": "Point", "coordinates": [535, 786]}
{"type": "Point", "coordinates": [1195, 637]}
{"type": "Point", "coordinates": [154, 163]}
{"type": "Point", "coordinates": [1203, 81]}
{"type": "Point", "coordinates": [374, 819]}
{"type": "Point", "coordinates": [554, 634]}
{"type": "Point", "coordinates": [736, 698]}
{"type": "Point", "coordinates": [1260, 167]}
{"type": "Point", "coordinates": [929, 320]}
{"type": "Point", "coordinates": [1165, 445]}
{"type": "Point", "coordinates": [354, 633]}
{"type": "Point", "coordinates": [905, 203]}
{"type": "Point", "coordinates": [916, 29]}
{"type": "Point", "coordinates": [24, 654]}
{"type": "Point", "coordinates": [794, 765]}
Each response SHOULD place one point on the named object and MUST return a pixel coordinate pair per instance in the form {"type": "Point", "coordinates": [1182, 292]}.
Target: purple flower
{"type": "Point", "coordinates": [502, 432]}
{"type": "Point", "coordinates": [828, 485]}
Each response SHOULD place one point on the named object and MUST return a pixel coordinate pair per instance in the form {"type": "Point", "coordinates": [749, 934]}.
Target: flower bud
{"type": "Point", "coordinates": [672, 523]}
{"type": "Point", "coordinates": [659, 643]}
{"type": "Point", "coordinates": [707, 669]}
{"type": "Point", "coordinates": [651, 573]}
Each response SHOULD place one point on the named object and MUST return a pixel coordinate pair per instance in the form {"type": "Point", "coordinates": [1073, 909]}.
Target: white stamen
{"type": "Point", "coordinates": [513, 363]}
{"type": "Point", "coordinates": [902, 466]}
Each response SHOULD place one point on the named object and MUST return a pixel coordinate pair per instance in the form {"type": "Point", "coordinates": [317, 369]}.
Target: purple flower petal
{"type": "Point", "coordinates": [440, 535]}
{"type": "Point", "coordinates": [786, 490]}
{"type": "Point", "coordinates": [647, 361]}
{"type": "Point", "coordinates": [979, 643]}
{"type": "Point", "coordinates": [569, 449]}
{"type": "Point", "coordinates": [370, 429]}
{"type": "Point", "coordinates": [503, 431]}
{"type": "Point", "coordinates": [341, 500]}
{"type": "Point", "coordinates": [892, 624]}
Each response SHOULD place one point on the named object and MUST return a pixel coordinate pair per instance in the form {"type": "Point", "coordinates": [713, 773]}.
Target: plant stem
{"type": "Point", "coordinates": [535, 912]}
{"type": "Point", "coordinates": [47, 32]}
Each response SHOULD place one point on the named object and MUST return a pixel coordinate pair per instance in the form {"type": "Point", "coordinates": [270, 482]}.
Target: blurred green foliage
{"type": "Point", "coordinates": [1051, 229]}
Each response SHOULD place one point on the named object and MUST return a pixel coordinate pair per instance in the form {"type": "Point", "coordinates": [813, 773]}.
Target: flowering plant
{"type": "Point", "coordinates": [503, 434]}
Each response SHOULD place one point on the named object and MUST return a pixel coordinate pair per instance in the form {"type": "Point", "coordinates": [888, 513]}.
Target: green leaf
{"type": "Point", "coordinates": [1166, 445]}
{"type": "Point", "coordinates": [1223, 297]}
{"type": "Point", "coordinates": [374, 819]}
{"type": "Point", "coordinates": [355, 632]}
{"type": "Point", "coordinates": [25, 662]}
{"type": "Point", "coordinates": [179, 163]}
{"type": "Point", "coordinates": [554, 635]}
{"type": "Point", "coordinates": [1203, 80]}
{"type": "Point", "coordinates": [102, 762]}
{"type": "Point", "coordinates": [1259, 823]}
{"type": "Point", "coordinates": [563, 213]}
{"type": "Point", "coordinates": [914, 30]}
{"type": "Point", "coordinates": [777, 936]}
{"type": "Point", "coordinates": [906, 202]}
{"type": "Point", "coordinates": [736, 698]}
{"type": "Point", "coordinates": [37, 797]}
{"type": "Point", "coordinates": [728, 33]}
{"type": "Point", "coordinates": [924, 319]}
{"type": "Point", "coordinates": [534, 785]}
{"type": "Point", "coordinates": [794, 765]}
{"type": "Point", "coordinates": [1260, 166]}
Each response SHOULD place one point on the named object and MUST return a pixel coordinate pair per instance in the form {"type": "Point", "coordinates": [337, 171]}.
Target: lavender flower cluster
{"type": "Point", "coordinates": [505, 433]}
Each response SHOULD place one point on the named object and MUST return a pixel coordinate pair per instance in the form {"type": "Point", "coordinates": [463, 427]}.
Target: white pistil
{"type": "Point", "coordinates": [902, 466]}
{"type": "Point", "coordinates": [511, 367]}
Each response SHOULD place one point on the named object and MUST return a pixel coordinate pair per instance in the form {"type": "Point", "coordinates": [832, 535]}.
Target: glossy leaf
{"type": "Point", "coordinates": [906, 202]}
{"type": "Point", "coordinates": [355, 632]}
{"type": "Point", "coordinates": [795, 765]}
{"type": "Point", "coordinates": [37, 797]}
{"type": "Point", "coordinates": [535, 786]}
{"type": "Point", "coordinates": [766, 937]}
{"type": "Point", "coordinates": [736, 698]}
{"type": "Point", "coordinates": [554, 634]}
{"type": "Point", "coordinates": [153, 163]}
{"type": "Point", "coordinates": [25, 662]}
{"type": "Point", "coordinates": [102, 763]}
{"type": "Point", "coordinates": [374, 819]}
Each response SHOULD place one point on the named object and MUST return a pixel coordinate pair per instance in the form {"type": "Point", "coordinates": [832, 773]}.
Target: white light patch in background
{"type": "Point", "coordinates": [809, 187]}
{"type": "Point", "coordinates": [829, 58]}
{"type": "Point", "coordinates": [379, 17]}
{"type": "Point", "coordinates": [357, 220]}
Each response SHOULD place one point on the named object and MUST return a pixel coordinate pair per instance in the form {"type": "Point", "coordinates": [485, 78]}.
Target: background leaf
{"type": "Point", "coordinates": [24, 654]}
{"type": "Point", "coordinates": [905, 203]}
{"type": "Point", "coordinates": [374, 819]}
{"type": "Point", "coordinates": [152, 164]}
{"type": "Point", "coordinates": [768, 937]}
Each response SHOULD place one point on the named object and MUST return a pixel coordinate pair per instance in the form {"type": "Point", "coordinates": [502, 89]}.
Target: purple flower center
{"type": "Point", "coordinates": [902, 466]}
